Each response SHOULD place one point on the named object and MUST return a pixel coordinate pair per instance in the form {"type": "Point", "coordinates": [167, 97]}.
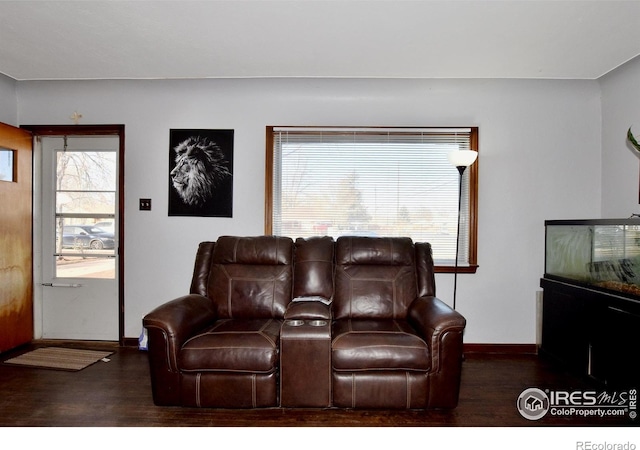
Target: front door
{"type": "Point", "coordinates": [16, 307]}
{"type": "Point", "coordinates": [79, 237]}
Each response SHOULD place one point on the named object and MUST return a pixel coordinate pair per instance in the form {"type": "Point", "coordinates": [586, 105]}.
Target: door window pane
{"type": "Point", "coordinates": [85, 213]}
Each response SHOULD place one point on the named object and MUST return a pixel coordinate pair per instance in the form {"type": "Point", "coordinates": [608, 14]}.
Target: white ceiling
{"type": "Point", "coordinates": [48, 40]}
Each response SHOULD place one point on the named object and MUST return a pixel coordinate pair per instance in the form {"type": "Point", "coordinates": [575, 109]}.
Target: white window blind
{"type": "Point", "coordinates": [371, 182]}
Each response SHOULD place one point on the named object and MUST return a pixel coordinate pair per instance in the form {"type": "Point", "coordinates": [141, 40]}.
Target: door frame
{"type": "Point", "coordinates": [99, 130]}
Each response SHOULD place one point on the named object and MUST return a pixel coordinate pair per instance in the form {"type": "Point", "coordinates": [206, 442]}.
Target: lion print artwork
{"type": "Point", "coordinates": [200, 174]}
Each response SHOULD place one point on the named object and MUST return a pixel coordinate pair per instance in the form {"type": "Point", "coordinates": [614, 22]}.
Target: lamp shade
{"type": "Point", "coordinates": [463, 158]}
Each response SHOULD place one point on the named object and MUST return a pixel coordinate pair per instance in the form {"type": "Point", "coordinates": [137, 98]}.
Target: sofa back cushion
{"type": "Point", "coordinates": [374, 278]}
{"type": "Point", "coordinates": [251, 277]}
{"type": "Point", "coordinates": [313, 275]}
{"type": "Point", "coordinates": [424, 269]}
{"type": "Point", "coordinates": [202, 269]}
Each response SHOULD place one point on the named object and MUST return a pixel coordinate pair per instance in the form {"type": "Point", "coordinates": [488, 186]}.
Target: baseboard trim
{"type": "Point", "coordinates": [74, 343]}
{"type": "Point", "coordinates": [130, 342]}
{"type": "Point", "coordinates": [521, 349]}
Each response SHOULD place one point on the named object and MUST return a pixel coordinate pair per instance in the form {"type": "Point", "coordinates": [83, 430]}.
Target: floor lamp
{"type": "Point", "coordinates": [461, 159]}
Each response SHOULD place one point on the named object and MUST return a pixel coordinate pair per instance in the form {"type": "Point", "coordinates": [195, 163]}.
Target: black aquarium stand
{"type": "Point", "coordinates": [592, 332]}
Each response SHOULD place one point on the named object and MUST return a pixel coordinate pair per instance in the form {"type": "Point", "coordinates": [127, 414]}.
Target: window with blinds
{"type": "Point", "coordinates": [373, 182]}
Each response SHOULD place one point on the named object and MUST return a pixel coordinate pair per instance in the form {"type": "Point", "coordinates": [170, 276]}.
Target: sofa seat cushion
{"type": "Point", "coordinates": [233, 345]}
{"type": "Point", "coordinates": [362, 345]}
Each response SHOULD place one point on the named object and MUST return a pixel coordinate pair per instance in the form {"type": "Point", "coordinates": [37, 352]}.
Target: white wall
{"type": "Point", "coordinates": [8, 101]}
{"type": "Point", "coordinates": [620, 166]}
{"type": "Point", "coordinates": [539, 159]}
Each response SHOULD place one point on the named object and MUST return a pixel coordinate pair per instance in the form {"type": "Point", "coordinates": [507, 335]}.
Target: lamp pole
{"type": "Point", "coordinates": [461, 170]}
{"type": "Point", "coordinates": [461, 159]}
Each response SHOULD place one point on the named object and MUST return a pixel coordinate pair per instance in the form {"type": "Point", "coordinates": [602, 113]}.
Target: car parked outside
{"type": "Point", "coordinates": [87, 236]}
{"type": "Point", "coordinates": [106, 225]}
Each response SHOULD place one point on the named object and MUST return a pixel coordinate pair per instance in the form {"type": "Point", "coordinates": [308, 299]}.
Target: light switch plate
{"type": "Point", "coordinates": [145, 204]}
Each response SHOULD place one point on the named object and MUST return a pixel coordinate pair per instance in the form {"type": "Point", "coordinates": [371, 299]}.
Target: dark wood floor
{"type": "Point", "coordinates": [118, 394]}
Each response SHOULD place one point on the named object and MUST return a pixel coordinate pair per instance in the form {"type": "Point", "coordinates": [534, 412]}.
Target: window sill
{"type": "Point", "coordinates": [472, 268]}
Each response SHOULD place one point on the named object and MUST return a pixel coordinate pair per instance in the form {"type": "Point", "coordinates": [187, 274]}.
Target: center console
{"type": "Point", "coordinates": [305, 362]}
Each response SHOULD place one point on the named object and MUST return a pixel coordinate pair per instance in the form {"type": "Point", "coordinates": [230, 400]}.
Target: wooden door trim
{"type": "Point", "coordinates": [100, 130]}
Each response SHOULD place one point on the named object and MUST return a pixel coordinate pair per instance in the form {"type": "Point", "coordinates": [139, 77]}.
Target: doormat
{"type": "Point", "coordinates": [58, 358]}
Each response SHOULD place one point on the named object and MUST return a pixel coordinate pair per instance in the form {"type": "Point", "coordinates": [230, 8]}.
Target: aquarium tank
{"type": "Point", "coordinates": [601, 253]}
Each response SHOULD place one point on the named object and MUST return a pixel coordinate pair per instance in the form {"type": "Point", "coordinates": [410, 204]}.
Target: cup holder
{"type": "Point", "coordinates": [294, 323]}
{"type": "Point", "coordinates": [318, 323]}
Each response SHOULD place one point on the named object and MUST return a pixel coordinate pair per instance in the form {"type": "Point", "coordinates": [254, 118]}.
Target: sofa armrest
{"type": "Point", "coordinates": [434, 320]}
{"type": "Point", "coordinates": [168, 327]}
{"type": "Point", "coordinates": [180, 319]}
{"type": "Point", "coordinates": [442, 328]}
{"type": "Point", "coordinates": [308, 310]}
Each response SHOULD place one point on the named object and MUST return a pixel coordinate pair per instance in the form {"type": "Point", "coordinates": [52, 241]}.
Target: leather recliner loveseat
{"type": "Point", "coordinates": [269, 322]}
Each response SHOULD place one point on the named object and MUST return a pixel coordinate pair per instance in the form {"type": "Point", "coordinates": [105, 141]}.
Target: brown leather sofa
{"type": "Point", "coordinates": [351, 323]}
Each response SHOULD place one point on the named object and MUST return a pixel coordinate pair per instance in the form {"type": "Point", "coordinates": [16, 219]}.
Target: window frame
{"type": "Point", "coordinates": [473, 170]}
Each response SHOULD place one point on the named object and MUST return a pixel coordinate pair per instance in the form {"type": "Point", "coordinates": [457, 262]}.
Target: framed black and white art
{"type": "Point", "coordinates": [201, 173]}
